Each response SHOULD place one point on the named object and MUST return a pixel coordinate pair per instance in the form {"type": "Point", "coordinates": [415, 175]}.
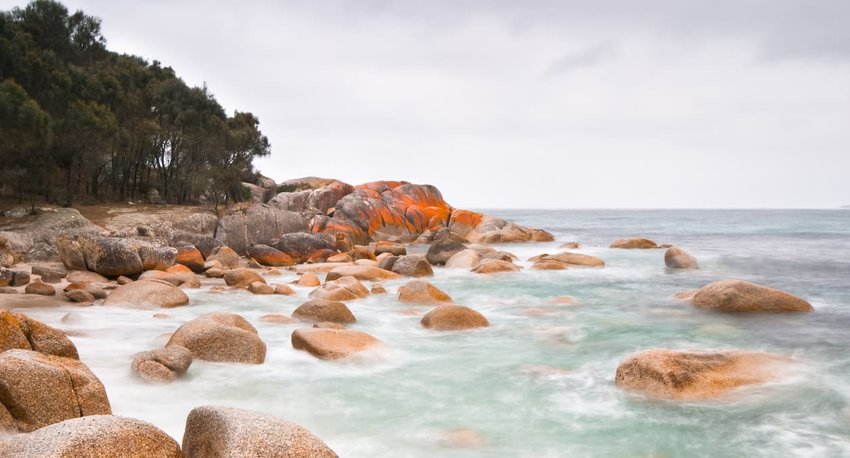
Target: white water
{"type": "Point", "coordinates": [539, 381]}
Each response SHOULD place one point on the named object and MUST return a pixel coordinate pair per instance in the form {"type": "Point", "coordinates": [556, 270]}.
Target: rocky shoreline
{"type": "Point", "coordinates": [341, 240]}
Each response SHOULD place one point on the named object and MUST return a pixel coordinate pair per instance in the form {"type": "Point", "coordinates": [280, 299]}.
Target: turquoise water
{"type": "Point", "coordinates": [539, 381]}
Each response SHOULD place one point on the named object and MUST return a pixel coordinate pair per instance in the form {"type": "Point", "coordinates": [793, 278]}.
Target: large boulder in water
{"type": "Point", "coordinates": [223, 337]}
{"type": "Point", "coordinates": [742, 296]}
{"type": "Point", "coordinates": [440, 252]}
{"type": "Point", "coordinates": [634, 243]}
{"type": "Point", "coordinates": [688, 375]}
{"type": "Point", "coordinates": [213, 432]}
{"type": "Point", "coordinates": [326, 343]}
{"type": "Point", "coordinates": [453, 318]}
{"type": "Point", "coordinates": [301, 245]}
{"type": "Point", "coordinates": [163, 364]}
{"type": "Point", "coordinates": [341, 289]}
{"type": "Point", "coordinates": [147, 294]}
{"type": "Point", "coordinates": [677, 258]}
{"type": "Point", "coordinates": [413, 265]}
{"type": "Point", "coordinates": [491, 266]}
{"type": "Point", "coordinates": [319, 310]}
{"type": "Point", "coordinates": [22, 332]}
{"type": "Point", "coordinates": [37, 390]}
{"type": "Point", "coordinates": [94, 436]}
{"type": "Point", "coordinates": [423, 293]}
{"type": "Point", "coordinates": [258, 224]}
{"type": "Point", "coordinates": [242, 278]}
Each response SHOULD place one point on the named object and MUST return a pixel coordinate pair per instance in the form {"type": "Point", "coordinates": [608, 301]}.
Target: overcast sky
{"type": "Point", "coordinates": [536, 104]}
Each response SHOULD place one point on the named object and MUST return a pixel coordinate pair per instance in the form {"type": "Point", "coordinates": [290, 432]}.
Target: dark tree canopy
{"type": "Point", "coordinates": [80, 122]}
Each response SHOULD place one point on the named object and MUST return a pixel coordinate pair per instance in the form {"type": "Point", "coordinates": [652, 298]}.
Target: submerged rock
{"type": "Point", "coordinates": [677, 258]}
{"type": "Point", "coordinates": [362, 273]}
{"type": "Point", "coordinates": [634, 243]}
{"type": "Point", "coordinates": [38, 390]}
{"type": "Point", "coordinates": [743, 296]}
{"type": "Point", "coordinates": [422, 292]}
{"type": "Point", "coordinates": [332, 343]}
{"type": "Point", "coordinates": [213, 432]}
{"type": "Point", "coordinates": [94, 436]}
{"type": "Point", "coordinates": [489, 266]}
{"type": "Point", "coordinates": [453, 318]}
{"type": "Point", "coordinates": [163, 364]}
{"type": "Point", "coordinates": [147, 294]}
{"type": "Point", "coordinates": [222, 337]}
{"type": "Point", "coordinates": [687, 375]}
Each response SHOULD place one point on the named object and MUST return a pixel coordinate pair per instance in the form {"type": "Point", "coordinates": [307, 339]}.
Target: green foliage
{"type": "Point", "coordinates": [292, 187]}
{"type": "Point", "coordinates": [79, 121]}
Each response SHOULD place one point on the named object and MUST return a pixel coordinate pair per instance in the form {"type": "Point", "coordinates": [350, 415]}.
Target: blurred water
{"type": "Point", "coordinates": [539, 381]}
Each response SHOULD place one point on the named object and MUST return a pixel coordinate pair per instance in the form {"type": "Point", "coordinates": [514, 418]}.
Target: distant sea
{"type": "Point", "coordinates": [539, 382]}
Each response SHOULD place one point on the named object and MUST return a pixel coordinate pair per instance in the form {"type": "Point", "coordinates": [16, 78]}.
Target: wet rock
{"type": "Point", "coordinates": [301, 245]}
{"type": "Point", "coordinates": [422, 292]}
{"type": "Point", "coordinates": [79, 296]}
{"type": "Point", "coordinates": [328, 325]}
{"type": "Point", "coordinates": [213, 432]}
{"type": "Point", "coordinates": [163, 364]}
{"type": "Point", "coordinates": [341, 289]}
{"type": "Point", "coordinates": [634, 243]}
{"type": "Point", "coordinates": [453, 318]}
{"type": "Point", "coordinates": [489, 266]}
{"type": "Point", "coordinates": [332, 344]}
{"type": "Point", "coordinates": [549, 264]}
{"type": "Point", "coordinates": [439, 253]}
{"type": "Point", "coordinates": [463, 438]}
{"type": "Point", "coordinates": [362, 273]}
{"type": "Point", "coordinates": [226, 256]}
{"type": "Point", "coordinates": [39, 390]}
{"type": "Point", "coordinates": [40, 288]}
{"type": "Point", "coordinates": [677, 258]}
{"type": "Point", "coordinates": [82, 276]}
{"type": "Point", "coordinates": [190, 257]}
{"type": "Point", "coordinates": [688, 375]}
{"type": "Point", "coordinates": [466, 259]}
{"type": "Point", "coordinates": [743, 296]}
{"type": "Point", "coordinates": [223, 337]}
{"type": "Point", "coordinates": [22, 332]}
{"type": "Point", "coordinates": [277, 318]}
{"type": "Point", "coordinates": [570, 246]}
{"type": "Point", "coordinates": [283, 290]}
{"type": "Point", "coordinates": [319, 310]}
{"type": "Point", "coordinates": [499, 255]}
{"type": "Point", "coordinates": [242, 278]}
{"type": "Point", "coordinates": [575, 259]}
{"type": "Point", "coordinates": [413, 265]}
{"type": "Point", "coordinates": [259, 287]}
{"type": "Point", "coordinates": [94, 436]}
{"type": "Point", "coordinates": [377, 288]}
{"type": "Point", "coordinates": [308, 279]}
{"type": "Point", "coordinates": [147, 294]}
{"type": "Point", "coordinates": [49, 274]}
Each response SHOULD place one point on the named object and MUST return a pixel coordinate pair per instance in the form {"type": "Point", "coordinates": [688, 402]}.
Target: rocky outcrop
{"type": "Point", "coordinates": [319, 310]}
{"type": "Point", "coordinates": [341, 289]}
{"type": "Point", "coordinates": [302, 245]}
{"type": "Point", "coordinates": [94, 436]}
{"type": "Point", "coordinates": [453, 318]}
{"type": "Point", "coordinates": [219, 432]}
{"type": "Point", "coordinates": [689, 375]}
{"type": "Point", "coordinates": [413, 265]}
{"type": "Point", "coordinates": [38, 390]}
{"type": "Point", "coordinates": [257, 224]}
{"type": "Point", "coordinates": [22, 332]}
{"type": "Point", "coordinates": [163, 364]}
{"type": "Point", "coordinates": [222, 337]}
{"type": "Point", "coordinates": [634, 243]}
{"type": "Point", "coordinates": [269, 256]}
{"type": "Point", "coordinates": [310, 195]}
{"type": "Point", "coordinates": [423, 293]}
{"type": "Point", "coordinates": [147, 294]}
{"type": "Point", "coordinates": [363, 273]}
{"type": "Point", "coordinates": [477, 228]}
{"type": "Point", "coordinates": [677, 258]}
{"type": "Point", "coordinates": [332, 344]}
{"type": "Point", "coordinates": [742, 296]}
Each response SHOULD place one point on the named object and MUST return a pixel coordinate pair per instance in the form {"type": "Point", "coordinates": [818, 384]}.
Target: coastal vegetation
{"type": "Point", "coordinates": [82, 123]}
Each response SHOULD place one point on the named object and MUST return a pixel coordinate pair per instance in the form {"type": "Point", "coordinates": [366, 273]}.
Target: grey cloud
{"type": "Point", "coordinates": [586, 58]}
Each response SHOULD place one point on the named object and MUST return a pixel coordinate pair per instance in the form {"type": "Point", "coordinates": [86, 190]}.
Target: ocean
{"type": "Point", "coordinates": [539, 382]}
